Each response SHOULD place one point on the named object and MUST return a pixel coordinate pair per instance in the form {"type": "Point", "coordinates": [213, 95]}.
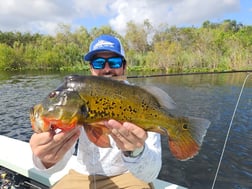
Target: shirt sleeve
{"type": "Point", "coordinates": [147, 165]}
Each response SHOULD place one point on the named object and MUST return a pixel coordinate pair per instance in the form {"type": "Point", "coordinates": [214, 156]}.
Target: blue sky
{"type": "Point", "coordinates": [44, 16]}
{"type": "Point", "coordinates": [242, 15]}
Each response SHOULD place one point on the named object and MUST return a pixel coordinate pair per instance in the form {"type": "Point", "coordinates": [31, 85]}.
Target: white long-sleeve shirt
{"type": "Point", "coordinates": [93, 160]}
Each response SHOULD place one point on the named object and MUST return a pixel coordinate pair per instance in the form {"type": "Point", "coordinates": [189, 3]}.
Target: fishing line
{"type": "Point", "coordinates": [229, 128]}
{"type": "Point", "coordinates": [94, 178]}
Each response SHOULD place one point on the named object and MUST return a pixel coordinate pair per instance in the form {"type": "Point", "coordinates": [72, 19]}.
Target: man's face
{"type": "Point", "coordinates": [107, 71]}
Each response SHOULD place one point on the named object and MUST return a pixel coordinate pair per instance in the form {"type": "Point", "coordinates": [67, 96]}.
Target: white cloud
{"type": "Point", "coordinates": [92, 8]}
{"type": "Point", "coordinates": [27, 15]}
{"type": "Point", "coordinates": [172, 12]}
{"type": "Point", "coordinates": [44, 15]}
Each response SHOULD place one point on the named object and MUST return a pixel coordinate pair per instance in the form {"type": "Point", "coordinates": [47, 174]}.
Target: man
{"type": "Point", "coordinates": [134, 160]}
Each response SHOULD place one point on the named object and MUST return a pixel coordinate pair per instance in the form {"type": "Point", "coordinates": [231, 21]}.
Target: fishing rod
{"type": "Point", "coordinates": [229, 128]}
{"type": "Point", "coordinates": [190, 73]}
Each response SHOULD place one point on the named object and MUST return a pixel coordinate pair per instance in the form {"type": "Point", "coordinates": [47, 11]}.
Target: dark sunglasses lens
{"type": "Point", "coordinates": [98, 63]}
{"type": "Point", "coordinates": [115, 62]}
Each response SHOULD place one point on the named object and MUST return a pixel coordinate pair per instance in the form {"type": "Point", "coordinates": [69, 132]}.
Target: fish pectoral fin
{"type": "Point", "coordinates": [98, 134]}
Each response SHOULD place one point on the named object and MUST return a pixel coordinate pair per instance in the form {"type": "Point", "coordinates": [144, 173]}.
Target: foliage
{"type": "Point", "coordinates": [211, 47]}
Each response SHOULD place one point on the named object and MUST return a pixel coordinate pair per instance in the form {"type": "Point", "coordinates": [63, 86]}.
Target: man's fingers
{"type": "Point", "coordinates": [137, 131]}
{"type": "Point", "coordinates": [61, 149]}
{"type": "Point", "coordinates": [51, 146]}
{"type": "Point", "coordinates": [41, 138]}
{"type": "Point", "coordinates": [60, 139]}
{"type": "Point", "coordinates": [64, 135]}
{"type": "Point", "coordinates": [68, 144]}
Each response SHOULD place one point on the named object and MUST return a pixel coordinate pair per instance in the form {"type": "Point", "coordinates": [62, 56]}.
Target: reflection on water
{"type": "Point", "coordinates": [211, 96]}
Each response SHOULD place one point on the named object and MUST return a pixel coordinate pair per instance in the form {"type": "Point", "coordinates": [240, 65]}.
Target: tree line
{"type": "Point", "coordinates": [220, 46]}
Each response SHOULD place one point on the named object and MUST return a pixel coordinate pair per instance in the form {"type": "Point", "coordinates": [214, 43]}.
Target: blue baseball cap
{"type": "Point", "coordinates": [105, 43]}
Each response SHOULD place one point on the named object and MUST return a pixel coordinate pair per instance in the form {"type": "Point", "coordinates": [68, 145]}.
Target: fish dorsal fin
{"type": "Point", "coordinates": [162, 97]}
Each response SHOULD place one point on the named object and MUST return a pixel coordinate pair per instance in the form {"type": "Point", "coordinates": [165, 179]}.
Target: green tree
{"type": "Point", "coordinates": [7, 57]}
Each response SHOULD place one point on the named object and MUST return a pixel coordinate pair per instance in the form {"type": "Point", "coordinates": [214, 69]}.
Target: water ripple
{"type": "Point", "coordinates": [209, 96]}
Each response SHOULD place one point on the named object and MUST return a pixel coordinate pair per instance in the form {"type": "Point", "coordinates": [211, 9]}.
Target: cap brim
{"type": "Point", "coordinates": [89, 55]}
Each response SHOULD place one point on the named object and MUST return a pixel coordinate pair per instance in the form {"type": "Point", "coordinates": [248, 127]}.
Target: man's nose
{"type": "Point", "coordinates": [107, 68]}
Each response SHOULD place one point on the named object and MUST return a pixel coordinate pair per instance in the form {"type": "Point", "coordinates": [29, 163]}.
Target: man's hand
{"type": "Point", "coordinates": [127, 136]}
{"type": "Point", "coordinates": [50, 147]}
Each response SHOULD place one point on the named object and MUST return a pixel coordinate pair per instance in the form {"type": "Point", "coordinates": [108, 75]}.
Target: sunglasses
{"type": "Point", "coordinates": [114, 62]}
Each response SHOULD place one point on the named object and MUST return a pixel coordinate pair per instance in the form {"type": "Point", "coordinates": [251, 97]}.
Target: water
{"type": "Point", "coordinates": [211, 96]}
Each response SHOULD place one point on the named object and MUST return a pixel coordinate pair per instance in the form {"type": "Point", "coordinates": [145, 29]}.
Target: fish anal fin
{"type": "Point", "coordinates": [98, 134]}
{"type": "Point", "coordinates": [183, 150]}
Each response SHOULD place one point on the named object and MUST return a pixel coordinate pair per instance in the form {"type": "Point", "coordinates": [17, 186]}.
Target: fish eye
{"type": "Point", "coordinates": [185, 126]}
{"type": "Point", "coordinates": [84, 110]}
{"type": "Point", "coordinates": [53, 94]}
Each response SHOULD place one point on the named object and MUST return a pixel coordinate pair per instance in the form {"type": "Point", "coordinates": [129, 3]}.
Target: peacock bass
{"type": "Point", "coordinates": [90, 100]}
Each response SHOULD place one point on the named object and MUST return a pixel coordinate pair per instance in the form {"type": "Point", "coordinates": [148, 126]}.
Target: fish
{"type": "Point", "coordinates": [91, 100]}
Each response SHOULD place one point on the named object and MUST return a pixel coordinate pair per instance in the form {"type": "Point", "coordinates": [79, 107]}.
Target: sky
{"type": "Point", "coordinates": [44, 16]}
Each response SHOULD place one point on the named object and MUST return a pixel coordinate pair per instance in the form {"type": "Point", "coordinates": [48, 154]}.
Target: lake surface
{"type": "Point", "coordinates": [210, 96]}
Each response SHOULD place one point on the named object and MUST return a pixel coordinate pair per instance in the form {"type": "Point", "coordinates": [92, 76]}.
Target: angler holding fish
{"type": "Point", "coordinates": [118, 126]}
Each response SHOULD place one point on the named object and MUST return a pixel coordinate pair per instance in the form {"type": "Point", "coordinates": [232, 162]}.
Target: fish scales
{"type": "Point", "coordinates": [122, 102]}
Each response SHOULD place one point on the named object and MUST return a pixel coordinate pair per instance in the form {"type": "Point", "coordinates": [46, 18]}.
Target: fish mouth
{"type": "Point", "coordinates": [35, 117]}
{"type": "Point", "coordinates": [35, 111]}
{"type": "Point", "coordinates": [116, 77]}
{"type": "Point", "coordinates": [109, 75]}
{"type": "Point", "coordinates": [41, 122]}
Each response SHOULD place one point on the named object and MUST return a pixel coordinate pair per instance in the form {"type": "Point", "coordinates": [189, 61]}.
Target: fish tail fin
{"type": "Point", "coordinates": [186, 141]}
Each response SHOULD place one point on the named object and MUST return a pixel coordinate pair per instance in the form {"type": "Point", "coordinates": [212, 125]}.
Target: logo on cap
{"type": "Point", "coordinates": [103, 43]}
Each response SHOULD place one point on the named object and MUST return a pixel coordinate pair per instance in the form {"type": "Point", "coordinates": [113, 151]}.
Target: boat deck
{"type": "Point", "coordinates": [16, 155]}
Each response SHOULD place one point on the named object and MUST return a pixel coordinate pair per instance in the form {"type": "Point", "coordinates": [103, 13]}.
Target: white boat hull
{"type": "Point", "coordinates": [16, 155]}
